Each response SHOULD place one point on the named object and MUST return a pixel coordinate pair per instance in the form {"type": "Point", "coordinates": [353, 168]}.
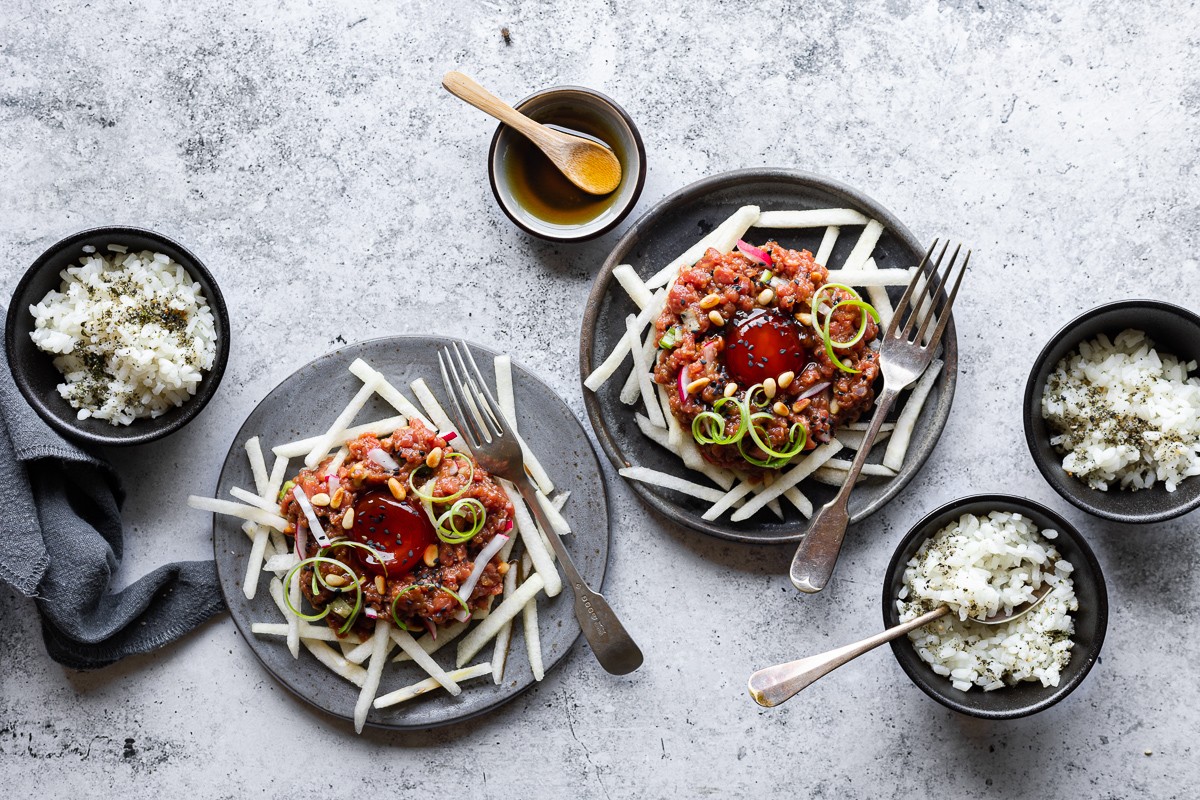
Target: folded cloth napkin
{"type": "Point", "coordinates": [61, 543]}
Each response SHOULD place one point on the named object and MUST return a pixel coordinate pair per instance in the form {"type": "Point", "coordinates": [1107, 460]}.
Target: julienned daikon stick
{"type": "Point", "coordinates": [617, 357]}
{"type": "Point", "coordinates": [725, 503]}
{"type": "Point", "coordinates": [788, 479]}
{"type": "Point", "coordinates": [800, 501]}
{"type": "Point", "coordinates": [307, 631]}
{"type": "Point", "coordinates": [335, 661]}
{"type": "Point", "coordinates": [906, 423]}
{"type": "Point", "coordinates": [864, 246]}
{"type": "Point", "coordinates": [633, 286]}
{"type": "Point", "coordinates": [828, 240]}
{"type": "Point", "coordinates": [504, 635]}
{"type": "Point", "coordinates": [441, 420]}
{"type": "Point", "coordinates": [557, 520]}
{"type": "Point", "coordinates": [722, 238]}
{"type": "Point", "coordinates": [854, 439]}
{"type": "Point", "coordinates": [379, 644]}
{"type": "Point", "coordinates": [326, 441]}
{"type": "Point", "coordinates": [645, 383]}
{"type": "Point", "coordinates": [688, 451]}
{"type": "Point", "coordinates": [390, 394]}
{"type": "Point", "coordinates": [843, 465]}
{"type": "Point", "coordinates": [429, 685]}
{"type": "Point", "coordinates": [254, 563]}
{"type": "Point", "coordinates": [535, 545]}
{"type": "Point", "coordinates": [533, 636]}
{"type": "Point", "coordinates": [423, 660]}
{"type": "Point", "coordinates": [672, 482]}
{"type": "Point", "coordinates": [258, 466]}
{"type": "Point", "coordinates": [878, 277]}
{"type": "Point", "coordinates": [502, 366]}
{"type": "Point", "coordinates": [445, 636]}
{"type": "Point", "coordinates": [483, 633]}
{"type": "Point", "coordinates": [811, 218]}
{"type": "Point", "coordinates": [379, 428]}
{"type": "Point", "coordinates": [232, 509]}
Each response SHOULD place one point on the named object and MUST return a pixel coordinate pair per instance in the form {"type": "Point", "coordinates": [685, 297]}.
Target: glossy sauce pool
{"type": "Point", "coordinates": [538, 186]}
{"type": "Point", "coordinates": [399, 530]}
{"type": "Point", "coordinates": [763, 344]}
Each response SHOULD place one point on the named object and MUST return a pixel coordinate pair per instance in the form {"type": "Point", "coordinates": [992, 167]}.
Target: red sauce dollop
{"type": "Point", "coordinates": [398, 529]}
{"type": "Point", "coordinates": [763, 344]}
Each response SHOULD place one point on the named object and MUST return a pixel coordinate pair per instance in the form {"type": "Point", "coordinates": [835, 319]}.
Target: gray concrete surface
{"type": "Point", "coordinates": [308, 154]}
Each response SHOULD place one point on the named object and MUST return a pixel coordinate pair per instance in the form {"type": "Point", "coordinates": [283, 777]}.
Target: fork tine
{"type": "Point", "coordinates": [937, 332]}
{"type": "Point", "coordinates": [931, 314]}
{"type": "Point", "coordinates": [492, 405]}
{"type": "Point", "coordinates": [902, 306]}
{"type": "Point", "coordinates": [918, 300]}
{"type": "Point", "coordinates": [486, 419]}
{"type": "Point", "coordinates": [465, 423]}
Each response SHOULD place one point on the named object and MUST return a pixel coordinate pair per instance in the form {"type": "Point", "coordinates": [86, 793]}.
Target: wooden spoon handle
{"type": "Point", "coordinates": [466, 89]}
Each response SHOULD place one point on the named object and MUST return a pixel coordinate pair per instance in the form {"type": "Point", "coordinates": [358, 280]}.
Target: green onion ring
{"type": "Point", "coordinates": [412, 586]}
{"type": "Point", "coordinates": [344, 542]}
{"type": "Point", "coordinates": [775, 458]}
{"type": "Point", "coordinates": [447, 524]}
{"type": "Point", "coordinates": [429, 498]}
{"type": "Point", "coordinates": [829, 344]}
{"type": "Point", "coordinates": [815, 300]}
{"type": "Point", "coordinates": [456, 596]}
{"type": "Point", "coordinates": [355, 581]}
{"type": "Point", "coordinates": [712, 429]}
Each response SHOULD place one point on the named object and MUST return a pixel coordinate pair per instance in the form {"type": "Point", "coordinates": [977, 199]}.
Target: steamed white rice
{"type": "Point", "coordinates": [981, 566]}
{"type": "Point", "coordinates": [1123, 413]}
{"type": "Point", "coordinates": [133, 335]}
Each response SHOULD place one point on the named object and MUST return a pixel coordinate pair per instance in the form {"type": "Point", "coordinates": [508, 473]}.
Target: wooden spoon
{"type": "Point", "coordinates": [591, 167]}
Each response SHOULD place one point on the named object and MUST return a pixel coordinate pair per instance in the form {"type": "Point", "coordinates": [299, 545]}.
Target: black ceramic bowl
{"type": "Point", "coordinates": [1174, 330]}
{"type": "Point", "coordinates": [34, 371]}
{"type": "Point", "coordinates": [1091, 620]}
{"type": "Point", "coordinates": [542, 107]}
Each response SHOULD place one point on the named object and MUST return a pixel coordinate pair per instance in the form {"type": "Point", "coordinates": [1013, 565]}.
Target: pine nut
{"type": "Point", "coordinates": [769, 388]}
{"type": "Point", "coordinates": [780, 409]}
{"type": "Point", "coordinates": [766, 296]}
{"type": "Point", "coordinates": [434, 458]}
{"type": "Point", "coordinates": [785, 380]}
{"type": "Point", "coordinates": [834, 407]}
{"type": "Point", "coordinates": [715, 318]}
{"type": "Point", "coordinates": [397, 489]}
{"type": "Point", "coordinates": [803, 318]}
{"type": "Point", "coordinates": [800, 405]}
{"type": "Point", "coordinates": [730, 389]}
{"type": "Point", "coordinates": [348, 519]}
{"type": "Point", "coordinates": [335, 580]}
{"type": "Point", "coordinates": [320, 499]}
{"type": "Point", "coordinates": [710, 301]}
{"type": "Point", "coordinates": [338, 497]}
{"type": "Point", "coordinates": [431, 555]}
{"type": "Point", "coordinates": [503, 568]}
{"type": "Point", "coordinates": [697, 385]}
{"type": "Point", "coordinates": [381, 584]}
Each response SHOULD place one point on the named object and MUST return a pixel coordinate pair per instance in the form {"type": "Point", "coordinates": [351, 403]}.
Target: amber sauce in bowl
{"type": "Point", "coordinates": [539, 198]}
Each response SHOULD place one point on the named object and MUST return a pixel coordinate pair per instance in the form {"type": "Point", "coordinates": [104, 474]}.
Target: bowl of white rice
{"type": "Point", "coordinates": [983, 555]}
{"type": "Point", "coordinates": [117, 336]}
{"type": "Point", "coordinates": [1112, 411]}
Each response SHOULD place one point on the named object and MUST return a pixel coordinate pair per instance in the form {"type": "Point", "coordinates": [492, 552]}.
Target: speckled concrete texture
{"type": "Point", "coordinates": [307, 153]}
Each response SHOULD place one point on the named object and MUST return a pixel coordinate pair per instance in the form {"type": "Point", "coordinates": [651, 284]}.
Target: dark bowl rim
{"type": "Point", "coordinates": [155, 430]}
{"type": "Point", "coordinates": [922, 679]}
{"type": "Point", "coordinates": [1029, 409]}
{"type": "Point", "coordinates": [600, 287]}
{"type": "Point", "coordinates": [637, 189]}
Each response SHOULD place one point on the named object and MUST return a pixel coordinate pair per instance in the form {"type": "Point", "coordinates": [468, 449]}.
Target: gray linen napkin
{"type": "Point", "coordinates": [61, 542]}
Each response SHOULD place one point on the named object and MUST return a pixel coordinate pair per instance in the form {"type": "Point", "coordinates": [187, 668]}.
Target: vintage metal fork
{"type": "Point", "coordinates": [903, 355]}
{"type": "Point", "coordinates": [498, 450]}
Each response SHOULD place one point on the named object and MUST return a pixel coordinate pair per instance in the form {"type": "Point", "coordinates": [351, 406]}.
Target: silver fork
{"type": "Point", "coordinates": [901, 360]}
{"type": "Point", "coordinates": [498, 450]}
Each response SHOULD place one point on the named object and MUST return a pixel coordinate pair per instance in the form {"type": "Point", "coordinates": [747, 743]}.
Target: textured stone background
{"type": "Point", "coordinates": [308, 154]}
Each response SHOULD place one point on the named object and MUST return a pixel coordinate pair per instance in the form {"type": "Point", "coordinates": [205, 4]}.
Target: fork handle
{"type": "Point", "coordinates": [612, 645]}
{"type": "Point", "coordinates": [817, 554]}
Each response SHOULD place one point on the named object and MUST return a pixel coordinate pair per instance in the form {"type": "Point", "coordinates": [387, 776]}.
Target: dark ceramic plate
{"type": "Point", "coordinates": [308, 401]}
{"type": "Point", "coordinates": [660, 236]}
{"type": "Point", "coordinates": [34, 370]}
{"type": "Point", "coordinates": [1174, 330]}
{"type": "Point", "coordinates": [1091, 621]}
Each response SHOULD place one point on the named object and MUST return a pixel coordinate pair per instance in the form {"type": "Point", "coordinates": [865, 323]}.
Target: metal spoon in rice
{"type": "Point", "coordinates": [774, 685]}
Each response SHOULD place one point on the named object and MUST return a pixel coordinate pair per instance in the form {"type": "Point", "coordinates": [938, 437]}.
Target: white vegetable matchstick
{"type": "Point", "coordinates": [645, 383]}
{"type": "Point", "coordinates": [232, 509]}
{"type": "Point", "coordinates": [864, 246]}
{"type": "Point", "coordinates": [534, 544]}
{"type": "Point", "coordinates": [363, 651]}
{"type": "Point", "coordinates": [252, 499]}
{"type": "Point", "coordinates": [560, 500]}
{"type": "Point", "coordinates": [631, 392]}
{"type": "Point", "coordinates": [293, 622]}
{"type": "Point", "coordinates": [722, 238]}
{"type": "Point", "coordinates": [502, 366]}
{"type": "Point", "coordinates": [258, 467]}
{"type": "Point", "coordinates": [335, 661]}
{"type": "Point", "coordinates": [441, 420]}
{"type": "Point", "coordinates": [484, 632]}
{"type": "Point", "coordinates": [304, 446]}
{"type": "Point", "coordinates": [811, 218]}
{"type": "Point", "coordinates": [429, 685]}
{"type": "Point", "coordinates": [854, 439]}
{"type": "Point", "coordinates": [445, 636]}
{"type": "Point", "coordinates": [633, 286]}
{"type": "Point", "coordinates": [504, 635]}
{"type": "Point", "coordinates": [390, 394]}
{"type": "Point", "coordinates": [872, 278]}
{"type": "Point", "coordinates": [343, 420]}
{"type": "Point", "coordinates": [557, 520]}
{"type": "Point", "coordinates": [409, 645]}
{"type": "Point", "coordinates": [843, 465]}
{"type": "Point", "coordinates": [280, 562]}
{"type": "Point", "coordinates": [897, 448]}
{"type": "Point", "coordinates": [828, 240]}
{"type": "Point", "coordinates": [798, 499]}
{"type": "Point", "coordinates": [374, 672]}
{"type": "Point", "coordinates": [672, 482]}
{"type": "Point", "coordinates": [254, 563]}
{"type": "Point", "coordinates": [617, 357]}
{"type": "Point", "coordinates": [533, 637]}
{"type": "Point", "coordinates": [307, 631]}
{"type": "Point", "coordinates": [789, 479]}
{"type": "Point", "coordinates": [725, 503]}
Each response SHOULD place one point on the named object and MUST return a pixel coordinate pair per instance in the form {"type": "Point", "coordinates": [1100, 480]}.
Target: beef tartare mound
{"type": "Point", "coordinates": [755, 370]}
{"type": "Point", "coordinates": [403, 519]}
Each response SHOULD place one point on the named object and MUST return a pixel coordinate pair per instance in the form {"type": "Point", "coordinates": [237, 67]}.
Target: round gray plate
{"type": "Point", "coordinates": [661, 235]}
{"type": "Point", "coordinates": [302, 406]}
